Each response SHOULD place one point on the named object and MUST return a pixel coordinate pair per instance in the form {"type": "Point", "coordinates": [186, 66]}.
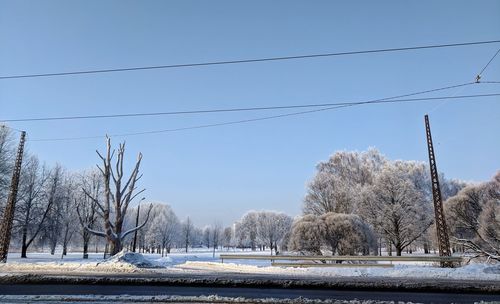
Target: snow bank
{"type": "Point", "coordinates": [204, 263]}
{"type": "Point", "coordinates": [468, 272]}
{"type": "Point", "coordinates": [122, 262]}
{"type": "Point", "coordinates": [137, 260]}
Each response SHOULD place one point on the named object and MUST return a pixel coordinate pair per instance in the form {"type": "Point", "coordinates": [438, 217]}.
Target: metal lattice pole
{"type": "Point", "coordinates": [441, 227]}
{"type": "Point", "coordinates": [8, 214]}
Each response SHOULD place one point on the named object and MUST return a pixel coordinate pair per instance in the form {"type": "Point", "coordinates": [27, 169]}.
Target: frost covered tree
{"type": "Point", "coordinates": [306, 235]}
{"type": "Point", "coordinates": [338, 181]}
{"type": "Point", "coordinates": [7, 153]}
{"type": "Point", "coordinates": [207, 236]}
{"type": "Point", "coordinates": [164, 227]}
{"type": "Point", "coordinates": [342, 234]}
{"type": "Point", "coordinates": [396, 208]}
{"type": "Point", "coordinates": [463, 210]}
{"type": "Point", "coordinates": [216, 236]}
{"type": "Point", "coordinates": [347, 234]}
{"type": "Point", "coordinates": [272, 228]}
{"type": "Point", "coordinates": [474, 218]}
{"type": "Point", "coordinates": [52, 226]}
{"type": "Point", "coordinates": [118, 192]}
{"type": "Point", "coordinates": [32, 206]}
{"type": "Point", "coordinates": [187, 233]}
{"type": "Point", "coordinates": [86, 207]}
{"type": "Point", "coordinates": [227, 237]}
{"type": "Point", "coordinates": [68, 207]}
{"type": "Point", "coordinates": [247, 230]}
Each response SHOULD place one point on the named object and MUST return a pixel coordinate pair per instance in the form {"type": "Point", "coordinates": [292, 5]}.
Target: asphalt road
{"type": "Point", "coordinates": [151, 290]}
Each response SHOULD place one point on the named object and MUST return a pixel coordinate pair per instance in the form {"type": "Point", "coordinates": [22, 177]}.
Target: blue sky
{"type": "Point", "coordinates": [219, 173]}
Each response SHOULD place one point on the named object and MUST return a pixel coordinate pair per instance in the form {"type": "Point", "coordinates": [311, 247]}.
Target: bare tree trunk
{"type": "Point", "coordinates": [24, 247]}
{"type": "Point", "coordinates": [53, 247]}
{"type": "Point", "coordinates": [85, 250]}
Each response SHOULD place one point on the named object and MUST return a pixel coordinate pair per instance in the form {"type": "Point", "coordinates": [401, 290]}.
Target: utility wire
{"type": "Point", "coordinates": [378, 101]}
{"type": "Point", "coordinates": [217, 110]}
{"type": "Point", "coordinates": [480, 73]}
{"type": "Point", "coordinates": [200, 64]}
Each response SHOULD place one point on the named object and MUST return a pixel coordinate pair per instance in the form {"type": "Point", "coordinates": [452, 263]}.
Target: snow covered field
{"type": "Point", "coordinates": [202, 262]}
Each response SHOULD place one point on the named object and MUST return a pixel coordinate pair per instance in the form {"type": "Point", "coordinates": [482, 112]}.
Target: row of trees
{"type": "Point", "coordinates": [394, 199]}
{"type": "Point", "coordinates": [56, 207]}
{"type": "Point", "coordinates": [357, 202]}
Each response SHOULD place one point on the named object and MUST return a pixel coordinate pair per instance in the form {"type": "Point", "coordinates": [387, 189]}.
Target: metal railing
{"type": "Point", "coordinates": [338, 260]}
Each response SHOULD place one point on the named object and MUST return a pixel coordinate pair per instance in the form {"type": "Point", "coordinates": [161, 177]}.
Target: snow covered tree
{"type": "Point", "coordinates": [474, 218]}
{"type": "Point", "coordinates": [347, 234]}
{"type": "Point", "coordinates": [207, 236]}
{"type": "Point", "coordinates": [32, 206]}
{"type": "Point", "coordinates": [68, 207]}
{"type": "Point", "coordinates": [86, 207]}
{"type": "Point", "coordinates": [338, 181]}
{"type": "Point", "coordinates": [227, 237]}
{"type": "Point", "coordinates": [463, 210]}
{"type": "Point", "coordinates": [164, 227]}
{"type": "Point", "coordinates": [396, 208]}
{"type": "Point", "coordinates": [272, 228]}
{"type": "Point", "coordinates": [247, 229]}
{"type": "Point", "coordinates": [306, 235]}
{"type": "Point", "coordinates": [216, 235]}
{"type": "Point", "coordinates": [7, 154]}
{"type": "Point", "coordinates": [118, 193]}
{"type": "Point", "coordinates": [342, 234]}
{"type": "Point", "coordinates": [52, 226]}
{"type": "Point", "coordinates": [187, 232]}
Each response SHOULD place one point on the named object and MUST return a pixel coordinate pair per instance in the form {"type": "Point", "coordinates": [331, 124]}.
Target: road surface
{"type": "Point", "coordinates": [152, 290]}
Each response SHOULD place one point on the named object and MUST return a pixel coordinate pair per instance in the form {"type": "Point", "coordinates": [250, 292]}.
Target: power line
{"type": "Point", "coordinates": [215, 110]}
{"type": "Point", "coordinates": [254, 60]}
{"type": "Point", "coordinates": [379, 101]}
{"type": "Point", "coordinates": [480, 73]}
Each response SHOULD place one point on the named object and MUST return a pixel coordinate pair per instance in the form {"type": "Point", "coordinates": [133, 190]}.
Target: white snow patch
{"type": "Point", "coordinates": [137, 260]}
{"type": "Point", "coordinates": [468, 272]}
{"type": "Point", "coordinates": [203, 262]}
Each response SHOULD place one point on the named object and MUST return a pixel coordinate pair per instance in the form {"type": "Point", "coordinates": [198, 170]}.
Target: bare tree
{"type": "Point", "coordinates": [118, 193]}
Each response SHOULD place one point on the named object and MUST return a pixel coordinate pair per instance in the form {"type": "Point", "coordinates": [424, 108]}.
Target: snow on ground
{"type": "Point", "coordinates": [203, 261]}
{"type": "Point", "coordinates": [468, 272]}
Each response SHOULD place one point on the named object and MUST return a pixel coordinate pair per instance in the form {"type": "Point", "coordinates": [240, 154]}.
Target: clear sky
{"type": "Point", "coordinates": [219, 173]}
